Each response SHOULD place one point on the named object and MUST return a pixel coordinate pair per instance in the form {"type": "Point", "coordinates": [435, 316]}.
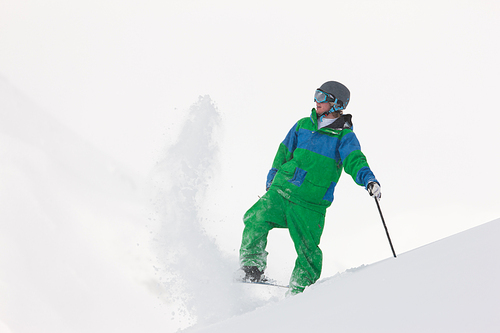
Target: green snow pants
{"type": "Point", "coordinates": [305, 227]}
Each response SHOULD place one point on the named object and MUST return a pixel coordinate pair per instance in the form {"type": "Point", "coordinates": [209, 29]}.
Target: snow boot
{"type": "Point", "coordinates": [252, 274]}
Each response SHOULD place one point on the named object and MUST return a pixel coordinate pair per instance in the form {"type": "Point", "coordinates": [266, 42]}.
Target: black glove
{"type": "Point", "coordinates": [374, 190]}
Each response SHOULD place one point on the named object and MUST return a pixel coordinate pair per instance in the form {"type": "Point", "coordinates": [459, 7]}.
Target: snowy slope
{"type": "Point", "coordinates": [447, 286]}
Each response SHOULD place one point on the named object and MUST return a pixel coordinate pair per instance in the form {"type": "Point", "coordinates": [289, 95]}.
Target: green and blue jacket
{"type": "Point", "coordinates": [309, 162]}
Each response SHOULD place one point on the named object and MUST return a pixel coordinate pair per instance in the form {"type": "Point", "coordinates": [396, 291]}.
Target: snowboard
{"type": "Point", "coordinates": [266, 283]}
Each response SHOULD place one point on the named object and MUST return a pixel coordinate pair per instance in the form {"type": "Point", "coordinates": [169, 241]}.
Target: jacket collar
{"type": "Point", "coordinates": [343, 122]}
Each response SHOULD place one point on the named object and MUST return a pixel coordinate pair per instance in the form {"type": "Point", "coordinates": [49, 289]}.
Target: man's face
{"type": "Point", "coordinates": [322, 107]}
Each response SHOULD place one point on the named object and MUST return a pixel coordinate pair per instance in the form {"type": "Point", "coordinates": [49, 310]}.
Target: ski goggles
{"type": "Point", "coordinates": [323, 97]}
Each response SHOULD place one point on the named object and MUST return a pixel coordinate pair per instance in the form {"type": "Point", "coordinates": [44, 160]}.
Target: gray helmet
{"type": "Point", "coordinates": [338, 90]}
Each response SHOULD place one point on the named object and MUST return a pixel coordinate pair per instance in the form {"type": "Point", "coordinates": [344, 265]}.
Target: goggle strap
{"type": "Point", "coordinates": [338, 104]}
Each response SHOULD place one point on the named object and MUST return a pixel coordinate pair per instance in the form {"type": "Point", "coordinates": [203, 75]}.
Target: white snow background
{"type": "Point", "coordinates": [152, 267]}
{"type": "Point", "coordinates": [134, 135]}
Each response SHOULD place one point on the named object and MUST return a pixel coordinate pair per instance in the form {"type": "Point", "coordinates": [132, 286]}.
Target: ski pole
{"type": "Point", "coordinates": [385, 227]}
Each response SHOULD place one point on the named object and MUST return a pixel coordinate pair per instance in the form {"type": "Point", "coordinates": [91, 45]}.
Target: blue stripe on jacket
{"type": "Point", "coordinates": [348, 144]}
{"type": "Point", "coordinates": [365, 176]}
{"type": "Point", "coordinates": [270, 177]}
{"type": "Point", "coordinates": [291, 139]}
{"type": "Point", "coordinates": [321, 144]}
{"type": "Point", "coordinates": [318, 143]}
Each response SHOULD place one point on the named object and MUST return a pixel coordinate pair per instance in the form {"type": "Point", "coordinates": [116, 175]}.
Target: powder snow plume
{"type": "Point", "coordinates": [195, 273]}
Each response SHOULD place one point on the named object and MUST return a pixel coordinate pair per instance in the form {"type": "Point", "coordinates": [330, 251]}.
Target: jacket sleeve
{"type": "Point", "coordinates": [284, 154]}
{"type": "Point", "coordinates": [354, 161]}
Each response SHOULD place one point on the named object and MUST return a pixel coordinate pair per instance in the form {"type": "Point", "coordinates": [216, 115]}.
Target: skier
{"type": "Point", "coordinates": [300, 187]}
